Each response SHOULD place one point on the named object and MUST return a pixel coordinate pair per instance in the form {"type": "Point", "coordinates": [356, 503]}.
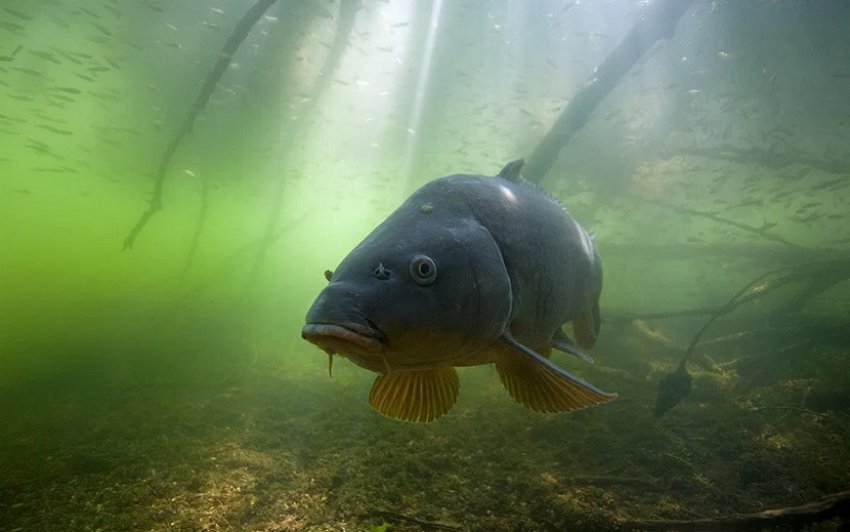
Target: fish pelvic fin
{"type": "Point", "coordinates": [537, 383]}
{"type": "Point", "coordinates": [586, 325]}
{"type": "Point", "coordinates": [562, 342]}
{"type": "Point", "coordinates": [419, 395]}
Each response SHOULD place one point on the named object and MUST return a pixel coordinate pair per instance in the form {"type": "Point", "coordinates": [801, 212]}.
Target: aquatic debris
{"type": "Point", "coordinates": [672, 389]}
{"type": "Point", "coordinates": [820, 275]}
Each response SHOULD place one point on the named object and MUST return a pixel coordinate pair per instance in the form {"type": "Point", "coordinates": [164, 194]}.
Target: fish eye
{"type": "Point", "coordinates": [423, 270]}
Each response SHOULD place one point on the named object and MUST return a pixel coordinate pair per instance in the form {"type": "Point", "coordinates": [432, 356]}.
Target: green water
{"type": "Point", "coordinates": [166, 386]}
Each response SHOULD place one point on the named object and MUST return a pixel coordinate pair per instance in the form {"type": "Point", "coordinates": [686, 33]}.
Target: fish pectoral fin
{"type": "Point", "coordinates": [418, 395]}
{"type": "Point", "coordinates": [586, 326]}
{"type": "Point", "coordinates": [562, 342]}
{"type": "Point", "coordinates": [540, 385]}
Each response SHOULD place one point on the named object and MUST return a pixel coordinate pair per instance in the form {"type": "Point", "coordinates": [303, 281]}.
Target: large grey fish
{"type": "Point", "coordinates": [469, 270]}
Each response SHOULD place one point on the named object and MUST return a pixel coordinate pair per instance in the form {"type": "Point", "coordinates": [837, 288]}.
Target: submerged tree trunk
{"type": "Point", "coordinates": [656, 23]}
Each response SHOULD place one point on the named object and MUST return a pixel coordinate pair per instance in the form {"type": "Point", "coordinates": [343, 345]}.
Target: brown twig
{"type": "Point", "coordinates": [240, 32]}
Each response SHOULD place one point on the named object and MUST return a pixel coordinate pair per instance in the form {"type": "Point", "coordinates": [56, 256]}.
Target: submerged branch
{"type": "Point", "coordinates": [657, 22]}
{"type": "Point", "coordinates": [676, 386]}
{"type": "Point", "coordinates": [237, 258]}
{"type": "Point", "coordinates": [240, 32]}
{"type": "Point", "coordinates": [836, 505]}
{"type": "Point", "coordinates": [199, 225]}
{"type": "Point", "coordinates": [729, 250]}
{"type": "Point", "coordinates": [774, 159]}
{"type": "Point", "coordinates": [761, 232]}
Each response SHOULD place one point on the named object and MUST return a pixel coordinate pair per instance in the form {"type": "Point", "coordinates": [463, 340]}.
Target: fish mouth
{"type": "Point", "coordinates": [342, 337]}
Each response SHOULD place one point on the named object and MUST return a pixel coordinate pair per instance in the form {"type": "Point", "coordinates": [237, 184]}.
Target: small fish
{"type": "Point", "coordinates": [55, 129]}
{"type": "Point", "coordinates": [104, 95]}
{"type": "Point", "coordinates": [62, 97]}
{"type": "Point", "coordinates": [111, 9]}
{"type": "Point", "coordinates": [90, 13]}
{"type": "Point", "coordinates": [102, 29]}
{"type": "Point", "coordinates": [470, 270]}
{"type": "Point", "coordinates": [17, 14]}
{"type": "Point", "coordinates": [825, 184]}
{"type": "Point", "coordinates": [11, 119]}
{"type": "Point", "coordinates": [154, 7]}
{"type": "Point", "coordinates": [29, 71]}
{"type": "Point", "coordinates": [70, 57]}
{"type": "Point", "coordinates": [11, 26]}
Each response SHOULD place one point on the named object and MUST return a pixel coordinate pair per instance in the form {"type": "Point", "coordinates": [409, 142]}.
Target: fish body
{"type": "Point", "coordinates": [469, 270]}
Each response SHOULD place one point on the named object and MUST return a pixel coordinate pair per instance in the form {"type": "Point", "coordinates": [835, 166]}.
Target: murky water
{"type": "Point", "coordinates": [175, 177]}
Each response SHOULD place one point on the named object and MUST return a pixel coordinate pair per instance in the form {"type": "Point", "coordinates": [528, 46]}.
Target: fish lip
{"type": "Point", "coordinates": [366, 337]}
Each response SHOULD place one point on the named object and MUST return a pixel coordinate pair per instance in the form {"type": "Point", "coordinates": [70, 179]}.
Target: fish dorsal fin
{"type": "Point", "coordinates": [537, 383]}
{"type": "Point", "coordinates": [420, 395]}
{"type": "Point", "coordinates": [511, 171]}
{"type": "Point", "coordinates": [562, 342]}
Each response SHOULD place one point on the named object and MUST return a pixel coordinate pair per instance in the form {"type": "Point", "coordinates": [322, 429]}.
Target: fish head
{"type": "Point", "coordinates": [420, 291]}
